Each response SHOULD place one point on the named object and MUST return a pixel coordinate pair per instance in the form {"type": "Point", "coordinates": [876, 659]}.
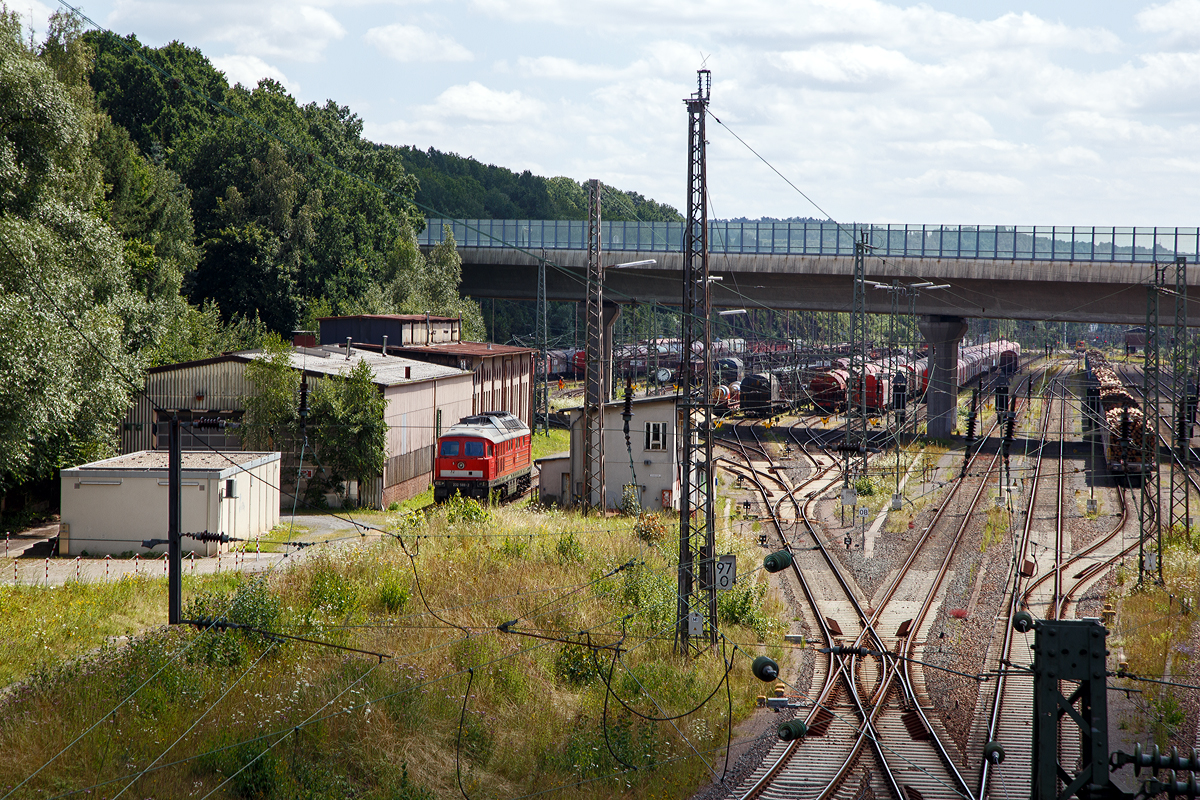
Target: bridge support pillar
{"type": "Point", "coordinates": [943, 334]}
{"type": "Point", "coordinates": [608, 318]}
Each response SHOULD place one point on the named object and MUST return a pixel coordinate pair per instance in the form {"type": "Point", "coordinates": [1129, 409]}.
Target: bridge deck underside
{"type": "Point", "coordinates": [1071, 291]}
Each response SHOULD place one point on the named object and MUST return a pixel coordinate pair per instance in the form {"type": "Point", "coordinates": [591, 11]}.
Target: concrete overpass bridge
{"type": "Point", "coordinates": [1072, 274]}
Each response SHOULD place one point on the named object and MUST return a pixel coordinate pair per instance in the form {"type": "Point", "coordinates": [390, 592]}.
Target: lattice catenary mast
{"type": "Point", "coordinates": [1180, 402]}
{"type": "Point", "coordinates": [595, 380]}
{"type": "Point", "coordinates": [696, 625]}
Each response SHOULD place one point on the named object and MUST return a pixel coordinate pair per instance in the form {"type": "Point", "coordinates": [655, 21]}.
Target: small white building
{"type": "Point", "coordinates": [109, 507]}
{"type": "Point", "coordinates": [653, 449]}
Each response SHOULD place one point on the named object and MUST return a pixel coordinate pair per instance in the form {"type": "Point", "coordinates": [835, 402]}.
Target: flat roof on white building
{"type": "Point", "coordinates": [154, 463]}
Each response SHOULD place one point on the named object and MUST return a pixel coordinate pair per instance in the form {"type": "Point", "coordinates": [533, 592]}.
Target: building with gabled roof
{"type": "Point", "coordinates": [503, 374]}
{"type": "Point", "coordinates": [421, 397]}
{"type": "Point", "coordinates": [646, 464]}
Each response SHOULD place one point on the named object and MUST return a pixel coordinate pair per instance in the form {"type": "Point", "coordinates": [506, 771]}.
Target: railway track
{"type": "Point", "coordinates": [885, 693]}
{"type": "Point", "coordinates": [1051, 582]}
{"type": "Point", "coordinates": [871, 723]}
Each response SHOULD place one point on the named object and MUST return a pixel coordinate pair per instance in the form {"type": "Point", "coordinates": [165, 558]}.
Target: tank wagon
{"type": "Point", "coordinates": [829, 390]}
{"type": "Point", "coordinates": [727, 398]}
{"type": "Point", "coordinates": [728, 370]}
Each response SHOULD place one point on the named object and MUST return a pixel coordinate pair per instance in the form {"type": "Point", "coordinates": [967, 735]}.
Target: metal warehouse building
{"type": "Point", "coordinates": [503, 374]}
{"type": "Point", "coordinates": [422, 398]}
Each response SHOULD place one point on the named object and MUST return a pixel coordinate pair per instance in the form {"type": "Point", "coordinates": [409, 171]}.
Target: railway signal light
{"type": "Point", "coordinates": [792, 729]}
{"type": "Point", "coordinates": [777, 561]}
{"type": "Point", "coordinates": [765, 669]}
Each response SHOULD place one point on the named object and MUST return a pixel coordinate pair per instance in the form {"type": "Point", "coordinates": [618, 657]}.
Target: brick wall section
{"type": "Point", "coordinates": [407, 489]}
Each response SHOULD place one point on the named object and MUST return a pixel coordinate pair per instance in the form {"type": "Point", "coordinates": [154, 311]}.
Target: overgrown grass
{"type": "Point", "coordinates": [42, 626]}
{"type": "Point", "coordinates": [1152, 631]}
{"type": "Point", "coordinates": [556, 440]}
{"type": "Point", "coordinates": [306, 721]}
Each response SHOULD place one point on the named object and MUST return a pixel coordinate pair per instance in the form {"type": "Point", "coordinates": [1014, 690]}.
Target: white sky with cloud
{"type": "Point", "coordinates": [955, 111]}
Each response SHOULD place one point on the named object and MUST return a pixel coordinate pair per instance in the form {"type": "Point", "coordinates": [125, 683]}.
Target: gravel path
{"type": "Point", "coordinates": [29, 561]}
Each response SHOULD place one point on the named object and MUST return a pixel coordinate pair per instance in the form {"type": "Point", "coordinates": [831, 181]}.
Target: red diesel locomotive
{"type": "Point", "coordinates": [481, 454]}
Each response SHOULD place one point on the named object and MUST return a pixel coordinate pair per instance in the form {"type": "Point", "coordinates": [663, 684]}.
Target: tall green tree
{"type": "Point", "coordinates": [420, 283]}
{"type": "Point", "coordinates": [349, 431]}
{"type": "Point", "coordinates": [66, 300]}
{"type": "Point", "coordinates": [272, 418]}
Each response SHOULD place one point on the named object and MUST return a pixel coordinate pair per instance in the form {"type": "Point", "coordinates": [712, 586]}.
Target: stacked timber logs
{"type": "Point", "coordinates": [1124, 423]}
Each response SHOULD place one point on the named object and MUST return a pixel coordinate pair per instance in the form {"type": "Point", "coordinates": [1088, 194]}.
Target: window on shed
{"type": "Point", "coordinates": [656, 436]}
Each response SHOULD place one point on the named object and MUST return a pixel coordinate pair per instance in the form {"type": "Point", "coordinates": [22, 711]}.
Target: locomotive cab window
{"type": "Point", "coordinates": [656, 436]}
{"type": "Point", "coordinates": [473, 449]}
{"type": "Point", "coordinates": [450, 449]}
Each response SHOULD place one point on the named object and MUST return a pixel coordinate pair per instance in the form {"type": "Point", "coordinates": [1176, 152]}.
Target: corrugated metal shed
{"type": "Point", "coordinates": [214, 384]}
{"type": "Point", "coordinates": [220, 384]}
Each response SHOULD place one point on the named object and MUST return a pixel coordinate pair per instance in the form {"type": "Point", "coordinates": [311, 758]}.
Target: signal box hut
{"type": "Point", "coordinates": [110, 506]}
{"type": "Point", "coordinates": [653, 448]}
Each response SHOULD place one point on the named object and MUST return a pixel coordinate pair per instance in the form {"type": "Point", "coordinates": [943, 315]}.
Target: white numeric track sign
{"type": "Point", "coordinates": [726, 572]}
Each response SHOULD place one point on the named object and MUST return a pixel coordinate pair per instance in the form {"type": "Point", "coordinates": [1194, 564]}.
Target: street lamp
{"type": "Point", "coordinates": [630, 265]}
{"type": "Point", "coordinates": [895, 289]}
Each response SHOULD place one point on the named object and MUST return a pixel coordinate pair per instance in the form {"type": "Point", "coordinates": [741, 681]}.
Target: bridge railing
{"type": "Point", "coordinates": [1000, 242]}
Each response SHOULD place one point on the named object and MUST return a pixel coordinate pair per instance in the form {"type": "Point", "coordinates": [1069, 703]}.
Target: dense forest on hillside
{"type": "Point", "coordinates": [150, 213]}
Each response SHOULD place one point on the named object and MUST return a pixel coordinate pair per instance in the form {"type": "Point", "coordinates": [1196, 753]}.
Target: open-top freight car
{"type": "Point", "coordinates": [482, 454]}
{"type": "Point", "coordinates": [1123, 430]}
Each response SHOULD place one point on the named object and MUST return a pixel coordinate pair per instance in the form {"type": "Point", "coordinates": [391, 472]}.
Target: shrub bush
{"type": "Point", "coordinates": [466, 509]}
{"type": "Point", "coordinates": [650, 528]}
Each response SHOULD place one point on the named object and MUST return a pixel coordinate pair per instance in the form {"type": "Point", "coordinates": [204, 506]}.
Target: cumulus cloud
{"type": "Point", "coordinates": [1178, 21]}
{"type": "Point", "coordinates": [565, 69]}
{"type": "Point", "coordinates": [955, 181]}
{"type": "Point", "coordinates": [248, 70]}
{"type": "Point", "coordinates": [410, 43]}
{"type": "Point", "coordinates": [476, 102]}
{"type": "Point", "coordinates": [262, 29]}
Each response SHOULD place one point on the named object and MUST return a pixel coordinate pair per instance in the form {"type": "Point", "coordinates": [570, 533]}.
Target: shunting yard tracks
{"type": "Point", "coordinates": [871, 725]}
